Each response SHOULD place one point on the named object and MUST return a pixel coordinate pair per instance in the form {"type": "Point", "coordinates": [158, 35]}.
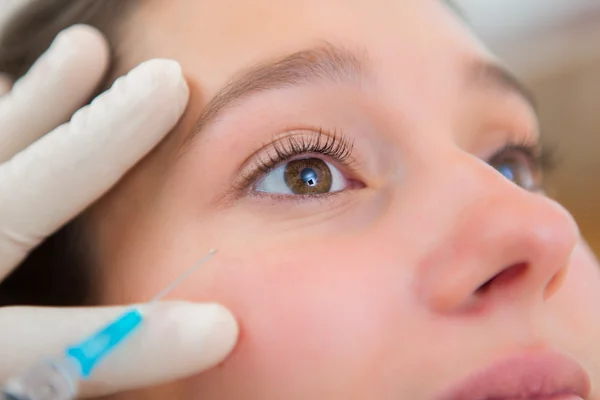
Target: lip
{"type": "Point", "coordinates": [546, 376]}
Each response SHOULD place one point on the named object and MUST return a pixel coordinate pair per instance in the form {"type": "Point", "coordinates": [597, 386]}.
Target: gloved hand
{"type": "Point", "coordinates": [46, 179]}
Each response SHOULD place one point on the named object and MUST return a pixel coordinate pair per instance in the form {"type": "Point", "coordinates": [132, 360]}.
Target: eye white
{"type": "Point", "coordinates": [274, 181]}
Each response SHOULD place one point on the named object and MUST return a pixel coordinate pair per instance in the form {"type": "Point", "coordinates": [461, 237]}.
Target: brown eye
{"type": "Point", "coordinates": [519, 166]}
{"type": "Point", "coordinates": [307, 176]}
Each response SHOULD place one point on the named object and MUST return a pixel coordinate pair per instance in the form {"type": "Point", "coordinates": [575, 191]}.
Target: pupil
{"type": "Point", "coordinates": [309, 176]}
{"type": "Point", "coordinates": [507, 171]}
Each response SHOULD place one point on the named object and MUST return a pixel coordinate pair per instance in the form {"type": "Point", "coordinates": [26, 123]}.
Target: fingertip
{"type": "Point", "coordinates": [161, 76]}
{"type": "Point", "coordinates": [160, 69]}
{"type": "Point", "coordinates": [59, 82]}
{"type": "Point", "coordinates": [227, 325]}
{"type": "Point", "coordinates": [187, 338]}
{"type": "Point", "coordinates": [80, 42]}
{"type": "Point", "coordinates": [155, 89]}
{"type": "Point", "coordinates": [82, 31]}
{"type": "Point", "coordinates": [83, 36]}
{"type": "Point", "coordinates": [208, 329]}
{"type": "Point", "coordinates": [221, 327]}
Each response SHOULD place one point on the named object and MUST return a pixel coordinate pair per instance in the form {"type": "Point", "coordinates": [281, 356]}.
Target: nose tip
{"type": "Point", "coordinates": [501, 249]}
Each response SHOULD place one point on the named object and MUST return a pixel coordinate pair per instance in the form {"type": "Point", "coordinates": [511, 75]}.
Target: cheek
{"type": "Point", "coordinates": [580, 295]}
{"type": "Point", "coordinates": [576, 309]}
{"type": "Point", "coordinates": [314, 308]}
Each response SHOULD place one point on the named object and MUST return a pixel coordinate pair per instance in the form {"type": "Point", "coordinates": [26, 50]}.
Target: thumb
{"type": "Point", "coordinates": [176, 339]}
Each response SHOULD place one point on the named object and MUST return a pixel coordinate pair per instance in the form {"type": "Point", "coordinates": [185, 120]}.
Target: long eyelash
{"type": "Point", "coordinates": [335, 146]}
{"type": "Point", "coordinates": [545, 156]}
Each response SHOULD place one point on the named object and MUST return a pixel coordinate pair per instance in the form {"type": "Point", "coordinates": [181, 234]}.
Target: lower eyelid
{"type": "Point", "coordinates": [303, 200]}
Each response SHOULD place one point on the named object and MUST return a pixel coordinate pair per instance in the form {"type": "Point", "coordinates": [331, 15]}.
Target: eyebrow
{"type": "Point", "coordinates": [491, 74]}
{"type": "Point", "coordinates": [335, 64]}
{"type": "Point", "coordinates": [323, 63]}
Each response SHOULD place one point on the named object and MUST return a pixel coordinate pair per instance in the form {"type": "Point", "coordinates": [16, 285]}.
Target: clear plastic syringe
{"type": "Point", "coordinates": [58, 378]}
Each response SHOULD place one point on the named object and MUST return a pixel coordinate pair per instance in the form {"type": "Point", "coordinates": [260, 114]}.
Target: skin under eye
{"type": "Point", "coordinates": [305, 176]}
{"type": "Point", "coordinates": [520, 165]}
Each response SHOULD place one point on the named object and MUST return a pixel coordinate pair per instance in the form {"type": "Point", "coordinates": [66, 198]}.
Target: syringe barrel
{"type": "Point", "coordinates": [49, 380]}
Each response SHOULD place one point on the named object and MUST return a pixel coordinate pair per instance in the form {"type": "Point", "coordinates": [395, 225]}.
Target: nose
{"type": "Point", "coordinates": [504, 244]}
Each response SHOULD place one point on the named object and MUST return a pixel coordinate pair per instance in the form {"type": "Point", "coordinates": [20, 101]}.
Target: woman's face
{"type": "Point", "coordinates": [372, 182]}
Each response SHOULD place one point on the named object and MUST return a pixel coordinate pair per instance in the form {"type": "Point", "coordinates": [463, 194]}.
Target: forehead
{"type": "Point", "coordinates": [215, 39]}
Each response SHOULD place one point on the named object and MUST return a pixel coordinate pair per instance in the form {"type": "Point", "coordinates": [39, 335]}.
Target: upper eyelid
{"type": "Point", "coordinates": [277, 140]}
{"type": "Point", "coordinates": [332, 138]}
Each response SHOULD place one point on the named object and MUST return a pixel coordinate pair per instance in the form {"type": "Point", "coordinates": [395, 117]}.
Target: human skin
{"type": "Point", "coordinates": [378, 291]}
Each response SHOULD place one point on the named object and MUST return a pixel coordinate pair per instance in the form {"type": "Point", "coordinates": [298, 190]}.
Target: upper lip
{"type": "Point", "coordinates": [535, 376]}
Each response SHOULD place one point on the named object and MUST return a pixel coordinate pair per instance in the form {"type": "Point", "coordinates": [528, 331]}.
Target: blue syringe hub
{"type": "Point", "coordinates": [94, 349]}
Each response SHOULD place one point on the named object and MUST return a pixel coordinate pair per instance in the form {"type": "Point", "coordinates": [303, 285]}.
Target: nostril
{"type": "Point", "coordinates": [484, 288]}
{"type": "Point", "coordinates": [555, 283]}
{"type": "Point", "coordinates": [504, 278]}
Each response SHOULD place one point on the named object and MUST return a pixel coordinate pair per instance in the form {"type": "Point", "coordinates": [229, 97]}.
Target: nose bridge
{"type": "Point", "coordinates": [493, 229]}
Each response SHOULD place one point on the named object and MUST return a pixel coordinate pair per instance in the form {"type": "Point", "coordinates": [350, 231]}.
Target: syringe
{"type": "Point", "coordinates": [58, 378]}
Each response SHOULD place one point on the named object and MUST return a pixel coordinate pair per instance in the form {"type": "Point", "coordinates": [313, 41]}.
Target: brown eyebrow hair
{"type": "Point", "coordinates": [336, 64]}
{"type": "Point", "coordinates": [325, 62]}
{"type": "Point", "coordinates": [503, 79]}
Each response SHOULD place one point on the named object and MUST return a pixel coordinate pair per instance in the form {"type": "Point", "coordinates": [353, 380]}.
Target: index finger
{"type": "Point", "coordinates": [59, 83]}
{"type": "Point", "coordinates": [58, 176]}
{"type": "Point", "coordinates": [186, 338]}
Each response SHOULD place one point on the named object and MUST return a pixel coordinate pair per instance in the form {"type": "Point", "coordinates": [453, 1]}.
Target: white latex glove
{"type": "Point", "coordinates": [46, 179]}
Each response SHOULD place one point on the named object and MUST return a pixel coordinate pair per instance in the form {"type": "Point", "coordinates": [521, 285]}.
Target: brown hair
{"type": "Point", "coordinates": [57, 273]}
{"type": "Point", "coordinates": [29, 33]}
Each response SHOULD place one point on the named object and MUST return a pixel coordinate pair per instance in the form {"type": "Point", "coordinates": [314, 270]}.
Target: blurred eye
{"type": "Point", "coordinates": [308, 176]}
{"type": "Point", "coordinates": [520, 166]}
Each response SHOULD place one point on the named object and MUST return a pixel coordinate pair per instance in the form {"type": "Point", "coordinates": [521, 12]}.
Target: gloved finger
{"type": "Point", "coordinates": [187, 338]}
{"type": "Point", "coordinates": [54, 179]}
{"type": "Point", "coordinates": [59, 83]}
{"type": "Point", "coordinates": [5, 85]}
